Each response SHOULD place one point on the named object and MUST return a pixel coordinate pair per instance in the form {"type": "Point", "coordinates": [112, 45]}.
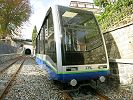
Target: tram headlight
{"type": "Point", "coordinates": [102, 66]}
{"type": "Point", "coordinates": [102, 78]}
{"type": "Point", "coordinates": [71, 68]}
{"type": "Point", "coordinates": [73, 82]}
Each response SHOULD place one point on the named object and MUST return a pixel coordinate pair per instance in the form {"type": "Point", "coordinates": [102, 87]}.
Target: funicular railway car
{"type": "Point", "coordinates": [71, 46]}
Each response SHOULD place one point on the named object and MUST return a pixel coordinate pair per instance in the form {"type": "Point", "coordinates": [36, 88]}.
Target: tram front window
{"type": "Point", "coordinates": [82, 42]}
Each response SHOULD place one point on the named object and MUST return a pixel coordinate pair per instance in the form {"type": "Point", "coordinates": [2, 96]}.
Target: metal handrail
{"type": "Point", "coordinates": [9, 54]}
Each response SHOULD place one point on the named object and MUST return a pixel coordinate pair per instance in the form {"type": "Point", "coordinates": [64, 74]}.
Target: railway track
{"type": "Point", "coordinates": [3, 67]}
{"type": "Point", "coordinates": [7, 76]}
{"type": "Point", "coordinates": [84, 92]}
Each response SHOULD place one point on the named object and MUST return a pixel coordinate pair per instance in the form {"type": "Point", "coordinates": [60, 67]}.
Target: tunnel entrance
{"type": "Point", "coordinates": [27, 52]}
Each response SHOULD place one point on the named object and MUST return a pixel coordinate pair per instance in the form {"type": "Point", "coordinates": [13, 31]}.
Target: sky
{"type": "Point", "coordinates": [39, 8]}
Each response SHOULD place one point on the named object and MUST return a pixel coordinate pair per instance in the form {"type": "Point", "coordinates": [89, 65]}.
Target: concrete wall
{"type": "Point", "coordinates": [26, 45]}
{"type": "Point", "coordinates": [119, 44]}
{"type": "Point", "coordinates": [6, 48]}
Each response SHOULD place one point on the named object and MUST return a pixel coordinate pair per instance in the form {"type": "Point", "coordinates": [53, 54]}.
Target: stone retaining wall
{"type": "Point", "coordinates": [122, 70]}
{"type": "Point", "coordinates": [112, 49]}
{"type": "Point", "coordinates": [119, 42]}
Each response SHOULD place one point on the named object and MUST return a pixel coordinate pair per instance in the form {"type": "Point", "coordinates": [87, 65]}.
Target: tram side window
{"type": "Point", "coordinates": [50, 46]}
{"type": "Point", "coordinates": [41, 41]}
{"type": "Point", "coordinates": [37, 45]}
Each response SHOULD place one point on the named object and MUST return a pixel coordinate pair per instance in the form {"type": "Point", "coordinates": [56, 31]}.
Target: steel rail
{"type": "Point", "coordinates": [4, 68]}
{"type": "Point", "coordinates": [7, 87]}
{"type": "Point", "coordinates": [100, 95]}
{"type": "Point", "coordinates": [67, 94]}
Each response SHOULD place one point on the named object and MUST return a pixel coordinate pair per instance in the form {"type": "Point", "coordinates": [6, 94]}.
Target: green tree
{"type": "Point", "coordinates": [34, 34]}
{"type": "Point", "coordinates": [13, 13]}
{"type": "Point", "coordinates": [101, 3]}
{"type": "Point", "coordinates": [114, 13]}
{"type": "Point", "coordinates": [124, 2]}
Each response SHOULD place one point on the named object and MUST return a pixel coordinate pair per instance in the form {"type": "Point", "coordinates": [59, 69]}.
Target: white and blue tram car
{"type": "Point", "coordinates": [71, 46]}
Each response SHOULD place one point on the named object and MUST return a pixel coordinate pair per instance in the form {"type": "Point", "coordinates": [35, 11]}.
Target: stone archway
{"type": "Point", "coordinates": [27, 51]}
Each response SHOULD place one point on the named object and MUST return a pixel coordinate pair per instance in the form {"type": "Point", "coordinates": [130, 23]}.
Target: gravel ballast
{"type": "Point", "coordinates": [32, 83]}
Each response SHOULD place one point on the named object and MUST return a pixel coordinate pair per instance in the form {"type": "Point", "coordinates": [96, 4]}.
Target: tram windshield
{"type": "Point", "coordinates": [82, 42]}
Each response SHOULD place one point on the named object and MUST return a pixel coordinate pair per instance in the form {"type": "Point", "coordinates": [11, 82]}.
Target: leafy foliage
{"type": "Point", "coordinates": [34, 34]}
{"type": "Point", "coordinates": [115, 14]}
{"type": "Point", "coordinates": [12, 14]}
{"type": "Point", "coordinates": [101, 3]}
